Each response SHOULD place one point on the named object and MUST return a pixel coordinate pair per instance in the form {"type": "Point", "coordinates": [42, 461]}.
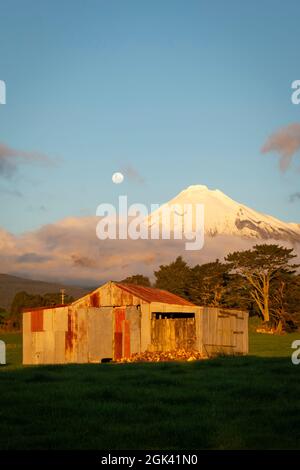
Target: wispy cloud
{"type": "Point", "coordinates": [83, 261]}
{"type": "Point", "coordinates": [295, 197]}
{"type": "Point", "coordinates": [32, 258]}
{"type": "Point", "coordinates": [285, 142]}
{"type": "Point", "coordinates": [132, 174]}
{"type": "Point", "coordinates": [11, 192]}
{"type": "Point", "coordinates": [40, 208]}
{"type": "Point", "coordinates": [11, 158]}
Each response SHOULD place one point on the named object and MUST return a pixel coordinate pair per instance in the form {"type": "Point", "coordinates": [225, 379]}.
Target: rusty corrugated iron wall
{"type": "Point", "coordinates": [114, 322]}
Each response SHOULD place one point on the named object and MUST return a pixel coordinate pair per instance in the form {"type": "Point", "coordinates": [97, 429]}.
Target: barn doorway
{"type": "Point", "coordinates": [173, 330]}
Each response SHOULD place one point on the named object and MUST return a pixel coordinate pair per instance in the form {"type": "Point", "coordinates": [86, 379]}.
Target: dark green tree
{"type": "Point", "coordinates": [174, 277]}
{"type": "Point", "coordinates": [23, 300]}
{"type": "Point", "coordinates": [137, 279]}
{"type": "Point", "coordinates": [260, 267]}
{"type": "Point", "coordinates": [208, 283]}
{"type": "Point", "coordinates": [285, 300]}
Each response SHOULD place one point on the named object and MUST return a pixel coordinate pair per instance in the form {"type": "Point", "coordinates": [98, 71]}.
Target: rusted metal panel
{"type": "Point", "coordinates": [106, 300]}
{"type": "Point", "coordinates": [27, 322]}
{"type": "Point", "coordinates": [60, 318]}
{"type": "Point", "coordinates": [199, 329]}
{"type": "Point", "coordinates": [48, 320]}
{"type": "Point", "coordinates": [119, 314]}
{"type": "Point", "coordinates": [48, 340]}
{"type": "Point", "coordinates": [100, 333]}
{"type": "Point", "coordinates": [145, 327]}
{"type": "Point", "coordinates": [2, 353]}
{"type": "Point", "coordinates": [71, 336]}
{"type": "Point", "coordinates": [94, 335]}
{"type": "Point", "coordinates": [117, 299]}
{"type": "Point", "coordinates": [59, 352]}
{"type": "Point", "coordinates": [219, 331]}
{"type": "Point", "coordinates": [38, 347]}
{"type": "Point", "coordinates": [95, 301]}
{"type": "Point", "coordinates": [126, 338]}
{"type": "Point", "coordinates": [241, 332]}
{"type": "Point", "coordinates": [37, 320]}
{"type": "Point", "coordinates": [27, 340]}
{"type": "Point", "coordinates": [133, 316]}
{"type": "Point", "coordinates": [118, 294]}
{"type": "Point", "coordinates": [150, 294]}
{"type": "Point", "coordinates": [128, 298]}
{"type": "Point", "coordinates": [82, 341]}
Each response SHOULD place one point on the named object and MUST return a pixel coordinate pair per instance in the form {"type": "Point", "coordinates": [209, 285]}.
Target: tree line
{"type": "Point", "coordinates": [263, 280]}
{"type": "Point", "coordinates": [23, 300]}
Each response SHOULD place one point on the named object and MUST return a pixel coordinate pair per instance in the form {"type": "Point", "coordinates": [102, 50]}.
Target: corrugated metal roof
{"type": "Point", "coordinates": [149, 294]}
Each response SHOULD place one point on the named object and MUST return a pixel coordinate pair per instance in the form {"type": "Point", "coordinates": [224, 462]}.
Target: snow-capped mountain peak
{"type": "Point", "coordinates": [223, 215]}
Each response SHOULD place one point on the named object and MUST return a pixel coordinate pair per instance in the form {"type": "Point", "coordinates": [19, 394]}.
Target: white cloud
{"type": "Point", "coordinates": [70, 251]}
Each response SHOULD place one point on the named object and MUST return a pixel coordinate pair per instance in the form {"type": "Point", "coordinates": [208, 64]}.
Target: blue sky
{"type": "Point", "coordinates": [184, 92]}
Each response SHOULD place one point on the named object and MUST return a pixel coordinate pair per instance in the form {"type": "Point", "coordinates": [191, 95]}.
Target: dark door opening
{"type": "Point", "coordinates": [173, 330]}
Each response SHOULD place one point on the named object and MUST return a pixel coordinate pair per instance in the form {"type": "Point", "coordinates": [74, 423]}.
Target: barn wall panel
{"type": "Point", "coordinates": [71, 336]}
{"type": "Point", "coordinates": [48, 347]}
{"type": "Point", "coordinates": [106, 296]}
{"type": "Point", "coordinates": [126, 338]}
{"type": "Point", "coordinates": [145, 328]}
{"type": "Point", "coordinates": [59, 352]}
{"type": "Point", "coordinates": [37, 347]}
{"type": "Point", "coordinates": [100, 333]}
{"type": "Point", "coordinates": [48, 320]}
{"type": "Point", "coordinates": [199, 329]}
{"type": "Point", "coordinates": [27, 339]}
{"type": "Point", "coordinates": [37, 322]}
{"type": "Point", "coordinates": [133, 315]}
{"type": "Point", "coordinates": [60, 319]}
{"type": "Point", "coordinates": [119, 317]}
{"type": "Point", "coordinates": [82, 340]}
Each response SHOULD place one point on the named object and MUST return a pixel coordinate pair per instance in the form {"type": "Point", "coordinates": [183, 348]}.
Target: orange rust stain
{"type": "Point", "coordinates": [94, 298]}
{"type": "Point", "coordinates": [149, 294]}
{"type": "Point", "coordinates": [126, 338]}
{"type": "Point", "coordinates": [71, 335]}
{"type": "Point", "coordinates": [119, 318]}
{"type": "Point", "coordinates": [118, 336]}
{"type": "Point", "coordinates": [37, 320]}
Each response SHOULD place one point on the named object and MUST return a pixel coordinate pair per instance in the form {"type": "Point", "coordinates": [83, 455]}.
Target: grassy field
{"type": "Point", "coordinates": [248, 402]}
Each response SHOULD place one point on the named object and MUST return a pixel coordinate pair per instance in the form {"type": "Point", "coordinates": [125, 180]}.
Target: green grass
{"type": "Point", "coordinates": [263, 345]}
{"type": "Point", "coordinates": [13, 349]}
{"type": "Point", "coordinates": [248, 402]}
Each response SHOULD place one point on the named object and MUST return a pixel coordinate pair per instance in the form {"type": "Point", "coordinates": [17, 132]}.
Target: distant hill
{"type": "Point", "coordinates": [10, 285]}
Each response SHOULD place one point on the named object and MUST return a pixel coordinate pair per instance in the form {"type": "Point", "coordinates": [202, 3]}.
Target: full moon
{"type": "Point", "coordinates": [117, 178]}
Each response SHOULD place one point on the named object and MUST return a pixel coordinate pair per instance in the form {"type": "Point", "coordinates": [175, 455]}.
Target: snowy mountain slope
{"type": "Point", "coordinates": [223, 215]}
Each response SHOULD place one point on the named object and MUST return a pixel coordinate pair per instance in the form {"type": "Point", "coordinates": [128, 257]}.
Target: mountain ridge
{"type": "Point", "coordinates": [10, 285]}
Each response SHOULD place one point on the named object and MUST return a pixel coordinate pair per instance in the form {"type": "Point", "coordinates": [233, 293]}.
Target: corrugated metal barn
{"type": "Point", "coordinates": [117, 320]}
